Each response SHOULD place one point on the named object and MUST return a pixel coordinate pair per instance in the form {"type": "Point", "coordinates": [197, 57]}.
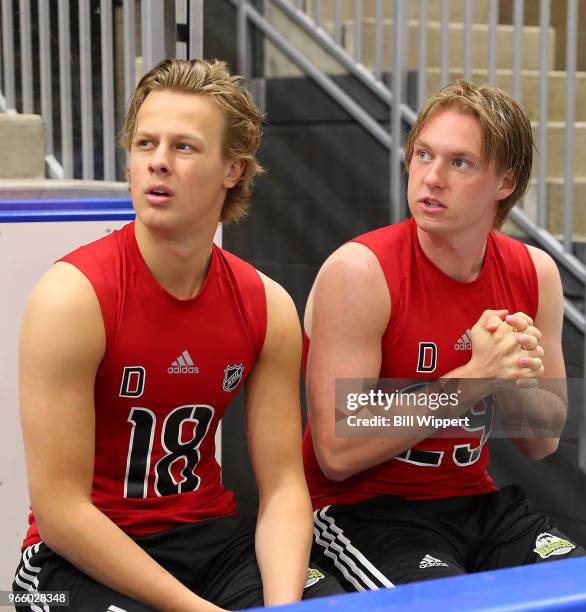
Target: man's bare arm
{"type": "Point", "coordinates": [348, 313]}
{"type": "Point", "coordinates": [542, 408]}
{"type": "Point", "coordinates": [273, 430]}
{"type": "Point", "coordinates": [62, 344]}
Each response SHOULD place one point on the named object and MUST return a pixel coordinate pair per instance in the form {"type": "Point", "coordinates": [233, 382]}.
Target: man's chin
{"type": "Point", "coordinates": [154, 219]}
{"type": "Point", "coordinates": [433, 225]}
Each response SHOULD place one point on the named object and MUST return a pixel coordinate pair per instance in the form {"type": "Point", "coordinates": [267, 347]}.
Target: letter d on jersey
{"type": "Point", "coordinates": [133, 379]}
{"type": "Point", "coordinates": [427, 358]}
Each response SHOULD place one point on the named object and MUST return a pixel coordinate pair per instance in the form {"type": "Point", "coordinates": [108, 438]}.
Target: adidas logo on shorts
{"type": "Point", "coordinates": [464, 342]}
{"type": "Point", "coordinates": [429, 561]}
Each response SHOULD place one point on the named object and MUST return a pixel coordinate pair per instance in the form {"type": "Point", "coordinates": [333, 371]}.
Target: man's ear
{"type": "Point", "coordinates": [234, 171]}
{"type": "Point", "coordinates": [508, 184]}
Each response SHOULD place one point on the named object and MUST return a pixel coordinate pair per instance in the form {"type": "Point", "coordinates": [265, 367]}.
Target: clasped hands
{"type": "Point", "coordinates": [508, 346]}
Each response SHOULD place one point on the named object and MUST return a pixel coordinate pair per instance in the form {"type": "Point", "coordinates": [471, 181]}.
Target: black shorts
{"type": "Point", "coordinates": [387, 540]}
{"type": "Point", "coordinates": [215, 559]}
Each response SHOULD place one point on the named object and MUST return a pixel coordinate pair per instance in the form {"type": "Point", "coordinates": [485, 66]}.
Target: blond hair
{"type": "Point", "coordinates": [243, 119]}
{"type": "Point", "coordinates": [506, 132]}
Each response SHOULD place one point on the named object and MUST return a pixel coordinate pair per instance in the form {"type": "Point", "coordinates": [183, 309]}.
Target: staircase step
{"type": "Point", "coordinates": [530, 89]}
{"type": "Point", "coordinates": [555, 188]}
{"type": "Point", "coordinates": [22, 146]}
{"type": "Point", "coordinates": [480, 36]}
{"type": "Point", "coordinates": [480, 12]}
{"type": "Point", "coordinates": [556, 142]}
{"type": "Point", "coordinates": [277, 65]}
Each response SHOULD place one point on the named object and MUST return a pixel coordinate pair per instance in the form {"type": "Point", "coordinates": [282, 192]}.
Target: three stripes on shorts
{"type": "Point", "coordinates": [26, 576]}
{"type": "Point", "coordinates": [353, 565]}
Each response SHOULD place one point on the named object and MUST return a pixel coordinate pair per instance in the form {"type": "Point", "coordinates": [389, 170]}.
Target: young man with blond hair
{"type": "Point", "coordinates": [132, 348]}
{"type": "Point", "coordinates": [440, 296]}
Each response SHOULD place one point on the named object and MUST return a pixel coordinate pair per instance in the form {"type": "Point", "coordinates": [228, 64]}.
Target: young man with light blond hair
{"type": "Point", "coordinates": [446, 302]}
{"type": "Point", "coordinates": [132, 348]}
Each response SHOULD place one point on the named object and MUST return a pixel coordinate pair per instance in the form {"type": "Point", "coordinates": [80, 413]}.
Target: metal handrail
{"type": "Point", "coordinates": [541, 236]}
{"type": "Point", "coordinates": [159, 40]}
{"type": "Point", "coordinates": [345, 59]}
{"type": "Point", "coordinates": [550, 243]}
{"type": "Point", "coordinates": [320, 77]}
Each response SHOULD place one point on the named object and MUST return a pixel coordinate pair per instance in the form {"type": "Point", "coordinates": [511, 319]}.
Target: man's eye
{"type": "Point", "coordinates": [461, 163]}
{"type": "Point", "coordinates": [184, 147]}
{"type": "Point", "coordinates": [424, 155]}
{"type": "Point", "coordinates": [143, 143]}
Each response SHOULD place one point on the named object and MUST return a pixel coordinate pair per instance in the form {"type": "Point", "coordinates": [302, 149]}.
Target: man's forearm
{"type": "Point", "coordinates": [347, 452]}
{"type": "Point", "coordinates": [538, 412]}
{"type": "Point", "coordinates": [534, 418]}
{"type": "Point", "coordinates": [96, 546]}
{"type": "Point", "coordinates": [283, 541]}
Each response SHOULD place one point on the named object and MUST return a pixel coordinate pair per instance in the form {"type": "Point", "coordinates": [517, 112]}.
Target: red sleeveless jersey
{"type": "Point", "coordinates": [170, 369]}
{"type": "Point", "coordinates": [427, 336]}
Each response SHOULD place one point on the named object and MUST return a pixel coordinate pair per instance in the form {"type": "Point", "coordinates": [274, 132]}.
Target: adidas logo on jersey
{"type": "Point", "coordinates": [429, 561]}
{"type": "Point", "coordinates": [464, 342]}
{"type": "Point", "coordinates": [183, 365]}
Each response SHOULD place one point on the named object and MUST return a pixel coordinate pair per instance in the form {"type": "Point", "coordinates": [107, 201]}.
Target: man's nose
{"type": "Point", "coordinates": [435, 175]}
{"type": "Point", "coordinates": [160, 160]}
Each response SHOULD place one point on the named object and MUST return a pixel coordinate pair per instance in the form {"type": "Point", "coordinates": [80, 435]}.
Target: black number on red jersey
{"type": "Point", "coordinates": [139, 452]}
{"type": "Point", "coordinates": [183, 455]}
{"type": "Point", "coordinates": [480, 419]}
{"type": "Point", "coordinates": [422, 457]}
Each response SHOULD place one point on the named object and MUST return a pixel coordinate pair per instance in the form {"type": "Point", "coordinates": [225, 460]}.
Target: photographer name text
{"type": "Point", "coordinates": [419, 420]}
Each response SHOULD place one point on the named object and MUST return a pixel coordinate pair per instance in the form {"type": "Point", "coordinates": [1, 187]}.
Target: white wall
{"type": "Point", "coordinates": [26, 251]}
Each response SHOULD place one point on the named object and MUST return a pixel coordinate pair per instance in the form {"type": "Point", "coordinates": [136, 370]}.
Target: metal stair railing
{"type": "Point", "coordinates": [377, 86]}
{"type": "Point", "coordinates": [247, 13]}
{"type": "Point", "coordinates": [169, 29]}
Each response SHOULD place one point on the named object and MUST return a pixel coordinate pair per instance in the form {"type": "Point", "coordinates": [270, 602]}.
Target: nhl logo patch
{"type": "Point", "coordinates": [232, 377]}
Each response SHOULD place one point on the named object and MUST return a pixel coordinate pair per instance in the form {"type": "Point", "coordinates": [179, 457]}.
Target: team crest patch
{"type": "Point", "coordinates": [547, 545]}
{"type": "Point", "coordinates": [232, 377]}
{"type": "Point", "coordinates": [313, 576]}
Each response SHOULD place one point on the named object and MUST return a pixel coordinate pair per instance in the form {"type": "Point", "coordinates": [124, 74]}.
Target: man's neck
{"type": "Point", "coordinates": [178, 263]}
{"type": "Point", "coordinates": [460, 258]}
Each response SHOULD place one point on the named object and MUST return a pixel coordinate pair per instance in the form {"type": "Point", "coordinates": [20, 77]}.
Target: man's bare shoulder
{"type": "Point", "coordinates": [353, 260]}
{"type": "Point", "coordinates": [63, 277]}
{"type": "Point", "coordinates": [352, 285]}
{"type": "Point", "coordinates": [274, 291]}
{"type": "Point", "coordinates": [282, 318]}
{"type": "Point", "coordinates": [63, 311]}
{"type": "Point", "coordinates": [63, 288]}
{"type": "Point", "coordinates": [543, 262]}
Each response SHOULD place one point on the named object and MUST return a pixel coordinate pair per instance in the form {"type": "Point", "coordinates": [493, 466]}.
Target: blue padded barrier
{"type": "Point", "coordinates": [18, 211]}
{"type": "Point", "coordinates": [556, 585]}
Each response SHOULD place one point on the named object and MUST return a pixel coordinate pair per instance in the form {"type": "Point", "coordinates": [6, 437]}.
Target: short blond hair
{"type": "Point", "coordinates": [507, 139]}
{"type": "Point", "coordinates": [243, 118]}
